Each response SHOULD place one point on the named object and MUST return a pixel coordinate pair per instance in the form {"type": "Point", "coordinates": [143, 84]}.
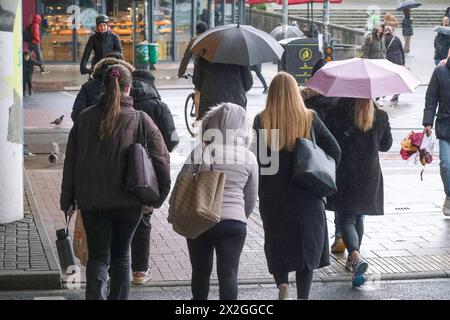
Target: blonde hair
{"type": "Point", "coordinates": [390, 20]}
{"type": "Point", "coordinates": [285, 111]}
{"type": "Point", "coordinates": [364, 114]}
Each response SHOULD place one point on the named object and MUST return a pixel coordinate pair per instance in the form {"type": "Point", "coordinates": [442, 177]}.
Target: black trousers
{"type": "Point", "coordinates": [140, 246]}
{"type": "Point", "coordinates": [303, 280]}
{"type": "Point", "coordinates": [227, 238]}
{"type": "Point", "coordinates": [109, 237]}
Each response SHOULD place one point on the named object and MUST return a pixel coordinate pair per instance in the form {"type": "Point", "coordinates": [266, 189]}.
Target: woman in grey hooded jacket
{"type": "Point", "coordinates": [225, 125]}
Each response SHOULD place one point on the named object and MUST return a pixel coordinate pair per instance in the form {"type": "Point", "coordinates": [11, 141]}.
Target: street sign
{"type": "Point", "coordinates": [301, 56]}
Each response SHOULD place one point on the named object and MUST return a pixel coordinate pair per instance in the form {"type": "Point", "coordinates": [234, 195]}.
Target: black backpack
{"type": "Point", "coordinates": [27, 34]}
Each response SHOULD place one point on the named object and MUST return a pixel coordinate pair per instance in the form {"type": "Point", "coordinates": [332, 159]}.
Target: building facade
{"type": "Point", "coordinates": [67, 24]}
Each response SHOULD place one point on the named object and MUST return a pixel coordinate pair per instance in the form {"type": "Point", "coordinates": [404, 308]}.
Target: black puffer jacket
{"type": "Point", "coordinates": [441, 46]}
{"type": "Point", "coordinates": [220, 82]}
{"type": "Point", "coordinates": [91, 91]}
{"type": "Point", "coordinates": [101, 43]}
{"type": "Point", "coordinates": [147, 99]}
{"type": "Point", "coordinates": [438, 93]}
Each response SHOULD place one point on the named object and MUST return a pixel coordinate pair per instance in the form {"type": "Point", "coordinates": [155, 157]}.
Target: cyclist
{"type": "Point", "coordinates": [102, 42]}
{"type": "Point", "coordinates": [199, 28]}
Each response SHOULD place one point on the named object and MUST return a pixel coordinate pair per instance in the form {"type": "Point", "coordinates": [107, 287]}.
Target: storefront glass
{"type": "Point", "coordinates": [162, 28]}
{"type": "Point", "coordinates": [183, 18]}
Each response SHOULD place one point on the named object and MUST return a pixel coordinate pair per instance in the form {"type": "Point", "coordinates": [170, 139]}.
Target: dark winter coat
{"type": "Point", "coordinates": [374, 48]}
{"type": "Point", "coordinates": [101, 43]}
{"type": "Point", "coordinates": [294, 221]}
{"type": "Point", "coordinates": [220, 82]}
{"type": "Point", "coordinates": [147, 99]}
{"type": "Point", "coordinates": [94, 169]}
{"type": "Point", "coordinates": [438, 93]}
{"type": "Point", "coordinates": [395, 52]}
{"type": "Point", "coordinates": [441, 46]}
{"type": "Point", "coordinates": [359, 178]}
{"type": "Point", "coordinates": [91, 90]}
{"type": "Point", "coordinates": [28, 68]}
{"type": "Point", "coordinates": [407, 26]}
{"type": "Point", "coordinates": [317, 102]}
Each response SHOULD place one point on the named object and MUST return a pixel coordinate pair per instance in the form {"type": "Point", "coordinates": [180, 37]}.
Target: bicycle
{"type": "Point", "coordinates": [189, 111]}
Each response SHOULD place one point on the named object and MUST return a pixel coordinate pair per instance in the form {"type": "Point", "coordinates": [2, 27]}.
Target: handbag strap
{"type": "Point", "coordinates": [390, 43]}
{"type": "Point", "coordinates": [210, 158]}
{"type": "Point", "coordinates": [140, 134]}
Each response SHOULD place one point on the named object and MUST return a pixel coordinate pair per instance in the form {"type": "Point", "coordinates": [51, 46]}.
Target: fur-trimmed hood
{"type": "Point", "coordinates": [307, 93]}
{"type": "Point", "coordinates": [102, 65]}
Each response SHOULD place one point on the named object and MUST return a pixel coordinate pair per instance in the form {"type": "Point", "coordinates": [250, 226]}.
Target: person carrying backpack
{"type": "Point", "coordinates": [33, 34]}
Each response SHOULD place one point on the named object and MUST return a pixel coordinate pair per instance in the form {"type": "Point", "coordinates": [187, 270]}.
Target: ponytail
{"type": "Point", "coordinates": [117, 79]}
{"type": "Point", "coordinates": [364, 114]}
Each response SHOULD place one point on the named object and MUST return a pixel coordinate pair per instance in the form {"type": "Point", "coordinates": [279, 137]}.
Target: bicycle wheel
{"type": "Point", "coordinates": [189, 114]}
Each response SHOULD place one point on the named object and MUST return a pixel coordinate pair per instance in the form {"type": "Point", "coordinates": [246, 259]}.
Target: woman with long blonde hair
{"type": "Point", "coordinates": [362, 131]}
{"type": "Point", "coordinates": [295, 227]}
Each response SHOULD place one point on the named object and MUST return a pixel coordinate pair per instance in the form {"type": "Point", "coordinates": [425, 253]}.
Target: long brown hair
{"type": "Point", "coordinates": [364, 114]}
{"type": "Point", "coordinates": [117, 79]}
{"type": "Point", "coordinates": [286, 111]}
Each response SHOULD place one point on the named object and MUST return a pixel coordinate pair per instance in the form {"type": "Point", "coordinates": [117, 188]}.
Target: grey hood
{"type": "Point", "coordinates": [228, 124]}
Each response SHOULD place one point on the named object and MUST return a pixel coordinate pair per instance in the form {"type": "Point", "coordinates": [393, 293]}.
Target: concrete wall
{"type": "Point", "coordinates": [267, 21]}
{"type": "Point", "coordinates": [11, 112]}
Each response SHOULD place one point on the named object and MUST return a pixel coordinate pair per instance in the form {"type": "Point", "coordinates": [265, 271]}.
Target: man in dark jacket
{"type": "Point", "coordinates": [199, 28]}
{"type": "Point", "coordinates": [102, 43]}
{"type": "Point", "coordinates": [147, 99]}
{"type": "Point", "coordinates": [220, 82]}
{"type": "Point", "coordinates": [438, 94]}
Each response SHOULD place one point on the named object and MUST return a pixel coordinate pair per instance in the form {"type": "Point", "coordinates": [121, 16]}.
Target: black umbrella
{"type": "Point", "coordinates": [237, 44]}
{"type": "Point", "coordinates": [408, 4]}
{"type": "Point", "coordinates": [291, 32]}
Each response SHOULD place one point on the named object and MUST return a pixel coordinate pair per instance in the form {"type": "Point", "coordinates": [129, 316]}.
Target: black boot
{"type": "Point", "coordinates": [30, 91]}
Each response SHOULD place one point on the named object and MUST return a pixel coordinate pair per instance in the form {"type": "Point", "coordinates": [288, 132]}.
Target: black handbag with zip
{"type": "Point", "coordinates": [140, 175]}
{"type": "Point", "coordinates": [313, 168]}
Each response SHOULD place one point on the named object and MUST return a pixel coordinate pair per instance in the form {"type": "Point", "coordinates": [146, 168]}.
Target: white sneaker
{"type": "Point", "coordinates": [283, 293]}
{"type": "Point", "coordinates": [141, 277]}
{"type": "Point", "coordinates": [446, 206]}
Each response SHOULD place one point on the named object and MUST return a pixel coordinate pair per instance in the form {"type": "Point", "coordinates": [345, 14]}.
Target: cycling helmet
{"type": "Point", "coordinates": [101, 19]}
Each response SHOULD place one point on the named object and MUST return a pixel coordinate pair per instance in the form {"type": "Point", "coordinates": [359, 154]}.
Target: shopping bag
{"type": "Point", "coordinates": [80, 247]}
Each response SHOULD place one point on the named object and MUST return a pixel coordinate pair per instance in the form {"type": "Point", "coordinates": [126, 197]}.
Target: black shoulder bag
{"type": "Point", "coordinates": [140, 175]}
{"type": "Point", "coordinates": [313, 168]}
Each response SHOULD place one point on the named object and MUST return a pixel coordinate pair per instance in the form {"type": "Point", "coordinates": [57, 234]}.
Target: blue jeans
{"type": "Point", "coordinates": [109, 237]}
{"type": "Point", "coordinates": [227, 237]}
{"type": "Point", "coordinates": [444, 156]}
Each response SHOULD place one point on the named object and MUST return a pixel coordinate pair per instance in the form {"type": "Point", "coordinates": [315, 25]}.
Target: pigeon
{"type": "Point", "coordinates": [58, 121]}
{"type": "Point", "coordinates": [54, 156]}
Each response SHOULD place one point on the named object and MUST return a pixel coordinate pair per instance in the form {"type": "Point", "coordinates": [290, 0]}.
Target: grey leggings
{"type": "Point", "coordinates": [352, 230]}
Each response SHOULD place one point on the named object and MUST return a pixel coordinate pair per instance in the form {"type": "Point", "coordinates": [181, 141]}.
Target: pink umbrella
{"type": "Point", "coordinates": [362, 78]}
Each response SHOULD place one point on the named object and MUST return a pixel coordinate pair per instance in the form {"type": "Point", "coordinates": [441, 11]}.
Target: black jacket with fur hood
{"type": "Point", "coordinates": [91, 91]}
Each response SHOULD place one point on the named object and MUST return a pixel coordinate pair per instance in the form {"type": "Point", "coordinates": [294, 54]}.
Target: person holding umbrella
{"type": "Point", "coordinates": [407, 30]}
{"type": "Point", "coordinates": [394, 51]}
{"type": "Point", "coordinates": [222, 72]}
